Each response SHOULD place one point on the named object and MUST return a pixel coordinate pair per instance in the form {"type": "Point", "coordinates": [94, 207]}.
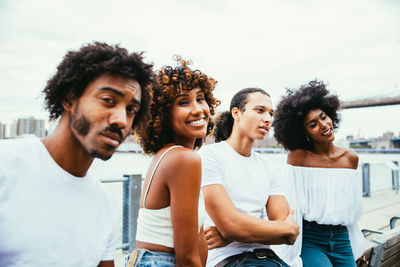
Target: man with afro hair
{"type": "Point", "coordinates": [52, 211]}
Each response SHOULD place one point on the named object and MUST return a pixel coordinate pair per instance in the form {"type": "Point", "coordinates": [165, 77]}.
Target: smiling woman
{"type": "Point", "coordinates": [175, 82]}
{"type": "Point", "coordinates": [325, 186]}
{"type": "Point", "coordinates": [170, 230]}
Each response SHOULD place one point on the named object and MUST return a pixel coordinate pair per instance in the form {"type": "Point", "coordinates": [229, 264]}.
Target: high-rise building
{"type": "Point", "coordinates": [3, 128]}
{"type": "Point", "coordinates": [29, 126]}
{"type": "Point", "coordinates": [13, 129]}
{"type": "Point", "coordinates": [39, 128]}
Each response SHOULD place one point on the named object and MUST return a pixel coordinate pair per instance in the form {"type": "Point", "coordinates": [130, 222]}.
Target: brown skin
{"type": "Point", "coordinates": [215, 238]}
{"type": "Point", "coordinates": [106, 264]}
{"type": "Point", "coordinates": [319, 129]}
{"type": "Point", "coordinates": [107, 101]}
{"type": "Point", "coordinates": [232, 225]}
{"type": "Point", "coordinates": [176, 182]}
{"type": "Point", "coordinates": [251, 124]}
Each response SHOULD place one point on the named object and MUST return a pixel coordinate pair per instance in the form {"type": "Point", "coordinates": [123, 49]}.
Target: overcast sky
{"type": "Point", "coordinates": [353, 45]}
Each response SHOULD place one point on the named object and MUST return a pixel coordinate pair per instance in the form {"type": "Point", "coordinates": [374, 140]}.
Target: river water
{"type": "Point", "coordinates": [137, 163]}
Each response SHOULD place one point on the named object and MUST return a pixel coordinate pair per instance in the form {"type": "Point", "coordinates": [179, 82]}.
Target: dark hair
{"type": "Point", "coordinates": [224, 121]}
{"type": "Point", "coordinates": [294, 107]}
{"type": "Point", "coordinates": [171, 81]}
{"type": "Point", "coordinates": [79, 68]}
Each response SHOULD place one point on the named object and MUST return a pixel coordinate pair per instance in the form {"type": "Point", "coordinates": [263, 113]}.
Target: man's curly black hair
{"type": "Point", "coordinates": [294, 107]}
{"type": "Point", "coordinates": [171, 81]}
{"type": "Point", "coordinates": [79, 68]}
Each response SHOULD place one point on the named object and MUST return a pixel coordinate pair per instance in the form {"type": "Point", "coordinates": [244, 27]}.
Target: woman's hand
{"type": "Point", "coordinates": [214, 238]}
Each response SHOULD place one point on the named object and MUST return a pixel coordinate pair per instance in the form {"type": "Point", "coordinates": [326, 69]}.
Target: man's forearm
{"type": "Point", "coordinates": [277, 241]}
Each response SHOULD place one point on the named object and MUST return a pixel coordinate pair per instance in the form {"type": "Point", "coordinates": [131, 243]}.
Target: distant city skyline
{"type": "Point", "coordinates": [22, 126]}
{"type": "Point", "coordinates": [41, 128]}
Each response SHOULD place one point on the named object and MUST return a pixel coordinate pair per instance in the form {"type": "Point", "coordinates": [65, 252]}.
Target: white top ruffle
{"type": "Point", "coordinates": [326, 196]}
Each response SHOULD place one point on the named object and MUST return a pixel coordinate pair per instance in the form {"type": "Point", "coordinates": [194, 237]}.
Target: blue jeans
{"type": "Point", "coordinates": [147, 258]}
{"type": "Point", "coordinates": [326, 245]}
{"type": "Point", "coordinates": [250, 261]}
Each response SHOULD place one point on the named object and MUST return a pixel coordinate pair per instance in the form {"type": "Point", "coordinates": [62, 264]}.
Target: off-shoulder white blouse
{"type": "Point", "coordinates": [326, 196]}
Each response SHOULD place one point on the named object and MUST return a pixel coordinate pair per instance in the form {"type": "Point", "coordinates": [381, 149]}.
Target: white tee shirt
{"type": "Point", "coordinates": [49, 217]}
{"type": "Point", "coordinates": [248, 181]}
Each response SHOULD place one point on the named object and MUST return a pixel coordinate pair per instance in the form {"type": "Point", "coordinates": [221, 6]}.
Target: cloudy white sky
{"type": "Point", "coordinates": [353, 45]}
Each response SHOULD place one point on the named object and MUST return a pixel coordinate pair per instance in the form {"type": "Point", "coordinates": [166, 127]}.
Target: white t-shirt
{"type": "Point", "coordinates": [49, 217]}
{"type": "Point", "coordinates": [248, 181]}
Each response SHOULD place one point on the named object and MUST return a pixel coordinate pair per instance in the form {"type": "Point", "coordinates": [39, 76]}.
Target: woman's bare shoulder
{"type": "Point", "coordinates": [297, 157]}
{"type": "Point", "coordinates": [177, 161]}
{"type": "Point", "coordinates": [183, 155]}
{"type": "Point", "coordinates": [351, 157]}
{"type": "Point", "coordinates": [178, 156]}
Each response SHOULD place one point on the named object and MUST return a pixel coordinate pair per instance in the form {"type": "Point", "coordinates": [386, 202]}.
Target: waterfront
{"type": "Point", "coordinates": [378, 209]}
{"type": "Point", "coordinates": [137, 163]}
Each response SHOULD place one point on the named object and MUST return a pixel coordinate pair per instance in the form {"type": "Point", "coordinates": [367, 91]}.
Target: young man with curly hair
{"type": "Point", "coordinates": [52, 212]}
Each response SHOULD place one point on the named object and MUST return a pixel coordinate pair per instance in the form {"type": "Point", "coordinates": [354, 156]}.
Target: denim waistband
{"type": "Point", "coordinates": [153, 258]}
{"type": "Point", "coordinates": [324, 226]}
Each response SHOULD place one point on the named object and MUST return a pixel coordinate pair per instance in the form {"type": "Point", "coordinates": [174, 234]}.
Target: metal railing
{"type": "Point", "coordinates": [393, 221]}
{"type": "Point", "coordinates": [366, 177]}
{"type": "Point", "coordinates": [131, 189]}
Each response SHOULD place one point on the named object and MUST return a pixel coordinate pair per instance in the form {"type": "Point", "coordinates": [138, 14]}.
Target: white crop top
{"type": "Point", "coordinates": [154, 225]}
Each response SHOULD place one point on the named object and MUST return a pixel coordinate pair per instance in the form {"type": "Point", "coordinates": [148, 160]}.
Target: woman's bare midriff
{"type": "Point", "coordinates": [153, 247]}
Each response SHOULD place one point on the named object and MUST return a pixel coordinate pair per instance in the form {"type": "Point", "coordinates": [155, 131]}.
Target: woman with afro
{"type": "Point", "coordinates": [326, 187]}
{"type": "Point", "coordinates": [169, 229]}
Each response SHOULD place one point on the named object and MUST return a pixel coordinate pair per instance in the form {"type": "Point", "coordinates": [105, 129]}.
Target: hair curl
{"type": "Point", "coordinates": [171, 81]}
{"type": "Point", "coordinates": [224, 122]}
{"type": "Point", "coordinates": [79, 68]}
{"type": "Point", "coordinates": [293, 108]}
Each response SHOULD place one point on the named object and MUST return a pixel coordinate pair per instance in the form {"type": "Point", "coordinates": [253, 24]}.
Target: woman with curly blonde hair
{"type": "Point", "coordinates": [169, 230]}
